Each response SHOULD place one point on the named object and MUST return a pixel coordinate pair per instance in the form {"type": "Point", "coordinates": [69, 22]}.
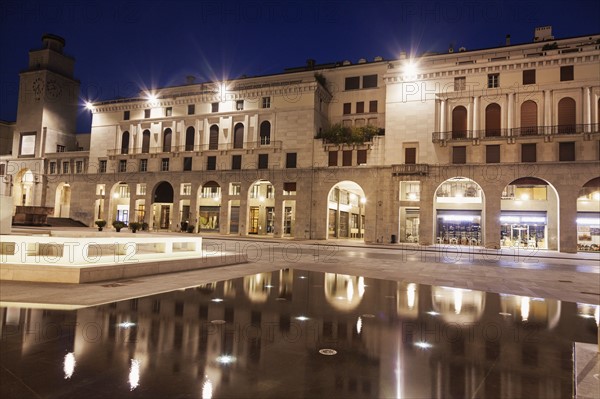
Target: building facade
{"type": "Point", "coordinates": [497, 147]}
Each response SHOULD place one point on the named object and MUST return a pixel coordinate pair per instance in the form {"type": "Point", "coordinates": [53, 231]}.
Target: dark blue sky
{"type": "Point", "coordinates": [123, 46]}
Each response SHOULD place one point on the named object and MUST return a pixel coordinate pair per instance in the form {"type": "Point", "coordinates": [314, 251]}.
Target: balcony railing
{"type": "Point", "coordinates": [531, 131]}
{"type": "Point", "coordinates": [410, 169]}
{"type": "Point", "coordinates": [250, 145]}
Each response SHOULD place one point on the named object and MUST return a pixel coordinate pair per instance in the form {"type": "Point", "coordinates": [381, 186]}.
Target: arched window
{"type": "Point", "coordinates": [566, 115]}
{"type": "Point", "coordinates": [492, 120]}
{"type": "Point", "coordinates": [213, 139]}
{"type": "Point", "coordinates": [459, 122]}
{"type": "Point", "coordinates": [190, 134]}
{"type": "Point", "coordinates": [125, 143]}
{"type": "Point", "coordinates": [167, 140]}
{"type": "Point", "coordinates": [529, 117]}
{"type": "Point", "coordinates": [146, 142]}
{"type": "Point", "coordinates": [265, 133]}
{"type": "Point", "coordinates": [238, 136]}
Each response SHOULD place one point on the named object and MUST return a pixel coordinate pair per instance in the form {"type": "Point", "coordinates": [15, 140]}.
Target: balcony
{"type": "Point", "coordinates": [531, 131]}
{"type": "Point", "coordinates": [250, 145]}
{"type": "Point", "coordinates": [420, 169]}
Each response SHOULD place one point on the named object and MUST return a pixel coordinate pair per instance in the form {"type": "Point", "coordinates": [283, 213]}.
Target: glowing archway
{"type": "Point", "coordinates": [346, 202]}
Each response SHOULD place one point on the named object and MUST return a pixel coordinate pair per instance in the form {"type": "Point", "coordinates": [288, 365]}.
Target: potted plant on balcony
{"type": "Point", "coordinates": [100, 223]}
{"type": "Point", "coordinates": [145, 226]}
{"type": "Point", "coordinates": [135, 226]}
{"type": "Point", "coordinates": [191, 228]}
{"type": "Point", "coordinates": [118, 225]}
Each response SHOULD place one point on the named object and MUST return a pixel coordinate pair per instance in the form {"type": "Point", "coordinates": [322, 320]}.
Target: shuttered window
{"type": "Point", "coordinates": [459, 122]}
{"type": "Point", "coordinates": [529, 118]}
{"type": "Point", "coordinates": [566, 115]}
{"type": "Point", "coordinates": [236, 162]}
{"type": "Point", "coordinates": [459, 155]}
{"type": "Point", "coordinates": [361, 157]}
{"type": "Point", "coordinates": [333, 158]}
{"type": "Point", "coordinates": [213, 139]}
{"type": "Point", "coordinates": [492, 154]}
{"type": "Point", "coordinates": [566, 151]}
{"type": "Point", "coordinates": [528, 152]}
{"type": "Point", "coordinates": [347, 158]}
{"type": "Point", "coordinates": [492, 120]}
{"type": "Point", "coordinates": [529, 77]}
{"type": "Point", "coordinates": [410, 156]}
{"type": "Point", "coordinates": [567, 73]}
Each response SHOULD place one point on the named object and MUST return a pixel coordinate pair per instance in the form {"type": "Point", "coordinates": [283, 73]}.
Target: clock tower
{"type": "Point", "coordinates": [48, 102]}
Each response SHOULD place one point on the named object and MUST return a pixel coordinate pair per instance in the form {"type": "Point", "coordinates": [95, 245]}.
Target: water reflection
{"type": "Point", "coordinates": [393, 339]}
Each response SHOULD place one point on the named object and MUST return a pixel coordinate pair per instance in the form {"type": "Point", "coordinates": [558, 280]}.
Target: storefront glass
{"type": "Point", "coordinates": [459, 228]}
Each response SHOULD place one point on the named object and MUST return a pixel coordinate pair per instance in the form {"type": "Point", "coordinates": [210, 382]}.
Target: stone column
{"type": "Point", "coordinates": [491, 217]}
{"type": "Point", "coordinates": [443, 116]}
{"type": "Point", "coordinates": [426, 223]}
{"type": "Point", "coordinates": [175, 222]}
{"type": "Point", "coordinates": [194, 206]}
{"type": "Point", "coordinates": [568, 220]}
{"type": "Point", "coordinates": [475, 113]}
{"type": "Point", "coordinates": [547, 107]}
{"type": "Point", "coordinates": [278, 216]}
{"type": "Point", "coordinates": [511, 111]}
{"type": "Point", "coordinates": [587, 110]}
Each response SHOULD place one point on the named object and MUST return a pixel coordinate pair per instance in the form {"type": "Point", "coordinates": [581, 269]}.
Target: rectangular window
{"type": "Point", "coordinates": [360, 107]}
{"type": "Point", "coordinates": [211, 163]}
{"type": "Point", "coordinates": [352, 83]}
{"type": "Point", "coordinates": [65, 167]}
{"type": "Point", "coordinates": [566, 151]}
{"type": "Point", "coordinates": [3, 169]}
{"type": "Point", "coordinates": [239, 105]}
{"type": "Point", "coordinates": [460, 83]}
{"type": "Point", "coordinates": [347, 108]}
{"type": "Point", "coordinates": [492, 154]}
{"type": "Point", "coordinates": [347, 158]}
{"type": "Point", "coordinates": [187, 164]}
{"type": "Point", "coordinates": [459, 155]}
{"type": "Point", "coordinates": [290, 160]}
{"type": "Point", "coordinates": [214, 107]}
{"type": "Point", "coordinates": [60, 148]}
{"type": "Point", "coordinates": [333, 158]}
{"type": "Point", "coordinates": [567, 73]}
{"type": "Point", "coordinates": [123, 165]}
{"type": "Point", "coordinates": [529, 77]}
{"type": "Point", "coordinates": [78, 166]}
{"type": "Point", "coordinates": [410, 156]}
{"type": "Point", "coordinates": [266, 102]}
{"type": "Point", "coordinates": [263, 161]}
{"type": "Point", "coordinates": [369, 81]}
{"type": "Point", "coordinates": [361, 157]}
{"type": "Point", "coordinates": [191, 109]}
{"type": "Point", "coordinates": [102, 166]}
{"type": "Point", "coordinates": [169, 111]}
{"type": "Point", "coordinates": [373, 106]}
{"type": "Point", "coordinates": [289, 188]}
{"type": "Point", "coordinates": [143, 165]}
{"type": "Point", "coordinates": [235, 188]}
{"type": "Point", "coordinates": [52, 168]}
{"type": "Point", "coordinates": [164, 165]}
{"type": "Point", "coordinates": [27, 144]}
{"type": "Point", "coordinates": [493, 80]}
{"type": "Point", "coordinates": [126, 115]}
{"type": "Point", "coordinates": [236, 162]}
{"type": "Point", "coordinates": [186, 188]}
{"type": "Point", "coordinates": [146, 113]}
{"type": "Point", "coordinates": [528, 152]}
{"type": "Point", "coordinates": [140, 189]}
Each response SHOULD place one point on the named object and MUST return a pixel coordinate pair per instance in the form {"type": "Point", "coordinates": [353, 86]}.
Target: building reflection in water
{"type": "Point", "coordinates": [393, 339]}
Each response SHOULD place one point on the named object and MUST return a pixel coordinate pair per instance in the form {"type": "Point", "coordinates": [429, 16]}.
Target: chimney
{"type": "Point", "coordinates": [310, 63]}
{"type": "Point", "coordinates": [508, 40]}
{"type": "Point", "coordinates": [190, 79]}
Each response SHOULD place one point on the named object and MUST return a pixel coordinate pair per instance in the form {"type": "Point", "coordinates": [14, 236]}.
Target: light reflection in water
{"type": "Point", "coordinates": [134, 374]}
{"type": "Point", "coordinates": [69, 365]}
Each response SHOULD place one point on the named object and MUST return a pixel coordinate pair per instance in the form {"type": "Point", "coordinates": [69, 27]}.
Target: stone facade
{"type": "Point", "coordinates": [494, 147]}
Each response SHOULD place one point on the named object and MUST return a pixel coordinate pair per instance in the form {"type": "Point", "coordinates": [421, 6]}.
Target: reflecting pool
{"type": "Point", "coordinates": [298, 334]}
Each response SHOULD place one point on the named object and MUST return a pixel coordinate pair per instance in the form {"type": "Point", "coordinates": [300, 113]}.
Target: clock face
{"type": "Point", "coordinates": [38, 87]}
{"type": "Point", "coordinates": [53, 89]}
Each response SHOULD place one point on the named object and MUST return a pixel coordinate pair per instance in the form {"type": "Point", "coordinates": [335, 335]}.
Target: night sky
{"type": "Point", "coordinates": [121, 47]}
